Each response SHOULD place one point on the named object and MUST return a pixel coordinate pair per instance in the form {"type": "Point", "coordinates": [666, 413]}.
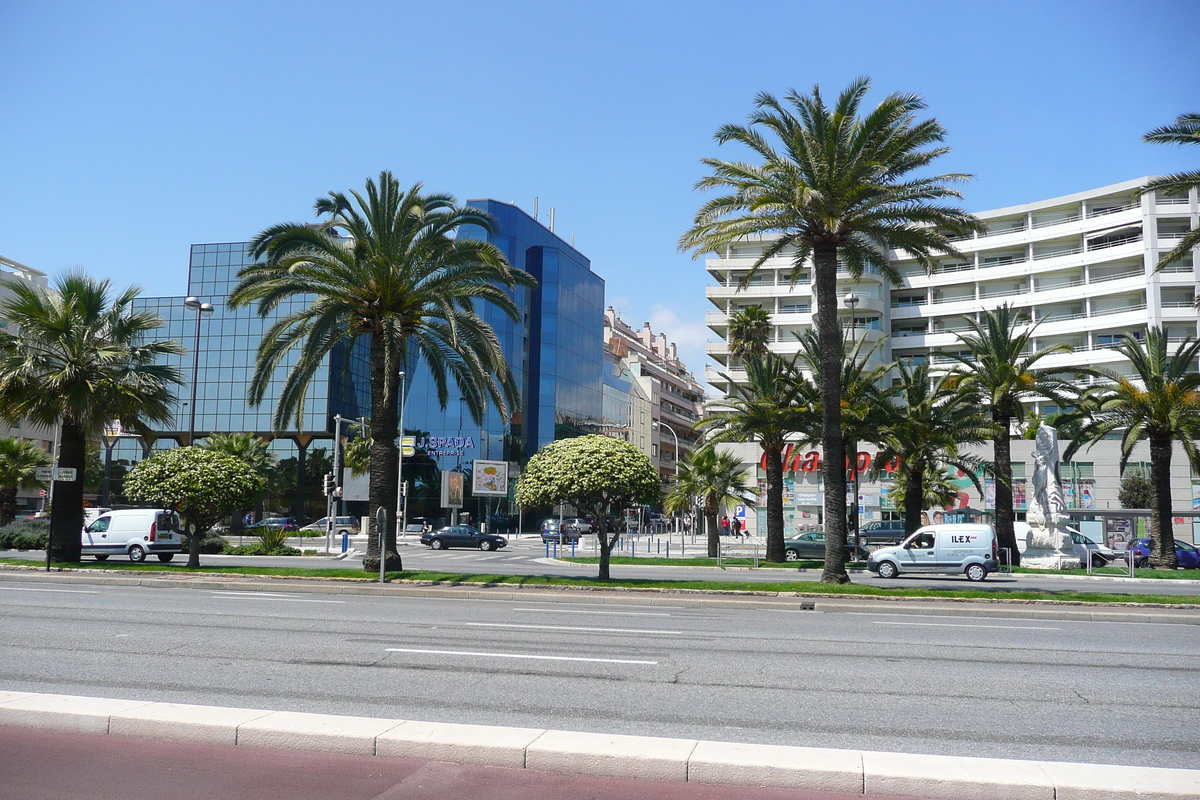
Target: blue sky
{"type": "Point", "coordinates": [132, 130]}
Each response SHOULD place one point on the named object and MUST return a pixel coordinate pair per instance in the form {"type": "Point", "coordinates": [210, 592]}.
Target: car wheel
{"type": "Point", "coordinates": [791, 555]}
{"type": "Point", "coordinates": [136, 554]}
{"type": "Point", "coordinates": [1098, 562]}
{"type": "Point", "coordinates": [102, 557]}
{"type": "Point", "coordinates": [165, 557]}
{"type": "Point", "coordinates": [887, 569]}
{"type": "Point", "coordinates": [1142, 562]}
{"type": "Point", "coordinates": [976, 572]}
{"type": "Point", "coordinates": [436, 544]}
{"type": "Point", "coordinates": [485, 545]}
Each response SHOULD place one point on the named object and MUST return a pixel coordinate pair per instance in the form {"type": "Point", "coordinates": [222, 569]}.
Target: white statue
{"type": "Point", "coordinates": [1049, 540]}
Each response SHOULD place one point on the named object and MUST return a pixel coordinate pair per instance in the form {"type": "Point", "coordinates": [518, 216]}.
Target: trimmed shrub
{"type": "Point", "coordinates": [259, 549]}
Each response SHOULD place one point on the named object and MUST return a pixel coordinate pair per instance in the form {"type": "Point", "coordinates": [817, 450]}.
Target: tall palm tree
{"type": "Point", "coordinates": [386, 267]}
{"type": "Point", "coordinates": [1185, 130]}
{"type": "Point", "coordinates": [749, 331]}
{"type": "Point", "coordinates": [841, 189]}
{"type": "Point", "coordinates": [934, 489]}
{"type": "Point", "coordinates": [1000, 373]}
{"type": "Point", "coordinates": [717, 480]}
{"type": "Point", "coordinates": [765, 409]}
{"type": "Point", "coordinates": [19, 463]}
{"type": "Point", "coordinates": [1160, 402]}
{"type": "Point", "coordinates": [926, 434]}
{"type": "Point", "coordinates": [254, 451]}
{"type": "Point", "coordinates": [79, 357]}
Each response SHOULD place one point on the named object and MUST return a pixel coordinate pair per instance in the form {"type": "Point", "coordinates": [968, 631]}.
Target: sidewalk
{"type": "Point", "coordinates": [49, 738]}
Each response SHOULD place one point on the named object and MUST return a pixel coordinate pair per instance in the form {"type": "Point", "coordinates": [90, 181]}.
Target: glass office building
{"type": "Point", "coordinates": [555, 351]}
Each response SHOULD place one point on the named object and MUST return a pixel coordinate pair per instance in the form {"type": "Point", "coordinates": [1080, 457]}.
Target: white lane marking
{"type": "Point", "coordinates": [609, 613]}
{"type": "Point", "coordinates": [254, 594]}
{"type": "Point", "coordinates": [61, 591]}
{"type": "Point", "coordinates": [278, 598]}
{"type": "Point", "coordinates": [567, 628]}
{"type": "Point", "coordinates": [519, 655]}
{"type": "Point", "coordinates": [967, 625]}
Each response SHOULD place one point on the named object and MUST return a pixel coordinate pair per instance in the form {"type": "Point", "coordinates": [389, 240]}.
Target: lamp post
{"type": "Point", "coordinates": [662, 424]}
{"type": "Point", "coordinates": [852, 300]}
{"type": "Point", "coordinates": [400, 495]}
{"type": "Point", "coordinates": [201, 309]}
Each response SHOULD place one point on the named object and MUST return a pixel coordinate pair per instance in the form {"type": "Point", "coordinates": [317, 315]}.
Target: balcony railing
{"type": "Point", "coordinates": [952, 299]}
{"type": "Point", "coordinates": [1172, 201]}
{"type": "Point", "coordinates": [1106, 312]}
{"type": "Point", "coordinates": [1107, 243]}
{"type": "Point", "coordinates": [1050, 287]}
{"type": "Point", "coordinates": [1046, 223]}
{"type": "Point", "coordinates": [1103, 212]}
{"type": "Point", "coordinates": [1178, 303]}
{"type": "Point", "coordinates": [1119, 276]}
{"type": "Point", "coordinates": [1070, 251]}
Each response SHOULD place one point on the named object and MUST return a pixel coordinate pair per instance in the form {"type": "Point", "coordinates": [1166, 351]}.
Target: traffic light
{"type": "Point", "coordinates": [328, 484]}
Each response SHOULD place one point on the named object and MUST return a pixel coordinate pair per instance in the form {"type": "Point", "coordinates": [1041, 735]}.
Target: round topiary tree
{"type": "Point", "coordinates": [202, 485]}
{"type": "Point", "coordinates": [597, 475]}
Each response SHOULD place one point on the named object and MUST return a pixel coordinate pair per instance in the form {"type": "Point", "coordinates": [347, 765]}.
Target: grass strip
{"type": "Point", "coordinates": [804, 587]}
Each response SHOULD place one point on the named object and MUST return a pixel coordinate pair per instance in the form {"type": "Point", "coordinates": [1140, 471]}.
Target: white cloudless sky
{"type": "Point", "coordinates": [131, 130]}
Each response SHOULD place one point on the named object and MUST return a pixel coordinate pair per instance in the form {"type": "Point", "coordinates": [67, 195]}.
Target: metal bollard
{"type": "Point", "coordinates": [345, 541]}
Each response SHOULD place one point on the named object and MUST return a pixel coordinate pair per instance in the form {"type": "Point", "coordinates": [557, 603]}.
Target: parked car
{"type": "Point", "coordinates": [134, 532]}
{"type": "Point", "coordinates": [551, 532]}
{"type": "Point", "coordinates": [340, 525]}
{"type": "Point", "coordinates": [1189, 557]}
{"type": "Point", "coordinates": [1100, 555]}
{"type": "Point", "coordinates": [577, 525]}
{"type": "Point", "coordinates": [287, 523]}
{"type": "Point", "coordinates": [969, 549]}
{"type": "Point", "coordinates": [812, 546]}
{"type": "Point", "coordinates": [879, 532]}
{"type": "Point", "coordinates": [462, 536]}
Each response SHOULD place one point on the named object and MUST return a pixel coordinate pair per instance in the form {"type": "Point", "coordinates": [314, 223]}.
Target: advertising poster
{"type": "Point", "coordinates": [489, 478]}
{"type": "Point", "coordinates": [452, 489]}
{"type": "Point", "coordinates": [1118, 531]}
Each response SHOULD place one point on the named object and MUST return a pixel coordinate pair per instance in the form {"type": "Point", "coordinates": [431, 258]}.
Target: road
{"type": "Point", "coordinates": [1047, 689]}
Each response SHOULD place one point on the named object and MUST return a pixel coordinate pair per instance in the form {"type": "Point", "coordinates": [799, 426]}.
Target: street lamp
{"type": "Point", "coordinates": [201, 309]}
{"type": "Point", "coordinates": [400, 496]}
{"type": "Point", "coordinates": [662, 424]}
{"type": "Point", "coordinates": [851, 300]}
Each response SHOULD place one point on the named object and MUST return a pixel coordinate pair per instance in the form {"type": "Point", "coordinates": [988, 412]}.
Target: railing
{"type": "Point", "coordinates": [1179, 304]}
{"type": "Point", "coordinates": [1177, 268]}
{"type": "Point", "coordinates": [1104, 245]}
{"type": "Point", "coordinates": [1064, 317]}
{"type": "Point", "coordinates": [1046, 223]}
{"type": "Point", "coordinates": [1070, 251]}
{"type": "Point", "coordinates": [954, 299]}
{"type": "Point", "coordinates": [1060, 285]}
{"type": "Point", "coordinates": [1004, 293]}
{"type": "Point", "coordinates": [1120, 276]}
{"type": "Point", "coordinates": [1172, 201]}
{"type": "Point", "coordinates": [909, 303]}
{"type": "Point", "coordinates": [1092, 213]}
{"type": "Point", "coordinates": [903, 334]}
{"type": "Point", "coordinates": [1108, 312]}
{"type": "Point", "coordinates": [1002, 261]}
{"type": "Point", "coordinates": [1173, 234]}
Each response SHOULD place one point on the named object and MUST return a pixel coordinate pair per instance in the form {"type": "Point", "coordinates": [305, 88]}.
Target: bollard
{"type": "Point", "coordinates": [668, 549]}
{"type": "Point", "coordinates": [345, 541]}
{"type": "Point", "coordinates": [573, 543]}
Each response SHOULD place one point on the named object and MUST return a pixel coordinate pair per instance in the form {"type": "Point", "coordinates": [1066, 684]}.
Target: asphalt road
{"type": "Point", "coordinates": [1048, 689]}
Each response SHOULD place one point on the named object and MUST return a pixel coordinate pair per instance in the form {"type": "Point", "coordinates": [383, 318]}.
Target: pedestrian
{"type": "Point", "coordinates": [724, 524]}
{"type": "Point", "coordinates": [736, 525]}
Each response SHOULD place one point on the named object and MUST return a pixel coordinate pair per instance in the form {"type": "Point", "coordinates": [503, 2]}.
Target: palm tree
{"type": "Point", "coordinates": [934, 489]}
{"type": "Point", "coordinates": [79, 357]}
{"type": "Point", "coordinates": [925, 435]}
{"type": "Point", "coordinates": [254, 451]}
{"type": "Point", "coordinates": [1185, 130]}
{"type": "Point", "coordinates": [841, 189]}
{"type": "Point", "coordinates": [19, 463]}
{"type": "Point", "coordinates": [999, 373]}
{"type": "Point", "coordinates": [1160, 403]}
{"type": "Point", "coordinates": [749, 331]}
{"type": "Point", "coordinates": [765, 409]}
{"type": "Point", "coordinates": [717, 480]}
{"type": "Point", "coordinates": [386, 268]}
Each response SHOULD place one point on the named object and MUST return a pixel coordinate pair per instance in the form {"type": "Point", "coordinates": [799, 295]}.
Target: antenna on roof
{"type": "Point", "coordinates": [535, 208]}
{"type": "Point", "coordinates": [552, 219]}
{"type": "Point", "coordinates": [572, 238]}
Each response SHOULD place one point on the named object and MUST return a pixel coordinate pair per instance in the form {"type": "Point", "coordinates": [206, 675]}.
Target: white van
{"type": "Point", "coordinates": [940, 549]}
{"type": "Point", "coordinates": [134, 532]}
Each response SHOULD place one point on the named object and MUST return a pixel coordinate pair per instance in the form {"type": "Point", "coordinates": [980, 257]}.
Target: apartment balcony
{"type": "Point", "coordinates": [716, 319]}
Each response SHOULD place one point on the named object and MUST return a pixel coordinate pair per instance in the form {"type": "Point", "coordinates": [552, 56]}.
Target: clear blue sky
{"type": "Point", "coordinates": [131, 130]}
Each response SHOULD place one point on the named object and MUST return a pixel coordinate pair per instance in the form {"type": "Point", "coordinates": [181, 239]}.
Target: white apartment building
{"type": "Point", "coordinates": [1082, 266]}
{"type": "Point", "coordinates": [662, 386]}
{"type": "Point", "coordinates": [15, 272]}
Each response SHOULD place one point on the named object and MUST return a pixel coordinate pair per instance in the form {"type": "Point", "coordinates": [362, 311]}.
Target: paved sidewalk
{"type": "Point", "coordinates": [51, 765]}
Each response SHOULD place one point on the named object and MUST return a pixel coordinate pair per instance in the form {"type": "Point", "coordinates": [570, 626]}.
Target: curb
{"type": "Point", "coordinates": [1131, 612]}
{"type": "Point", "coordinates": [609, 755]}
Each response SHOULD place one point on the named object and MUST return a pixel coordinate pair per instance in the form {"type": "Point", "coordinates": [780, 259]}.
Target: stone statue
{"type": "Point", "coordinates": [1049, 540]}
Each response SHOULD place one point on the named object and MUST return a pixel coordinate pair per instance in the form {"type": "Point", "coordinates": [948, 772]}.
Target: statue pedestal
{"type": "Point", "coordinates": [1040, 559]}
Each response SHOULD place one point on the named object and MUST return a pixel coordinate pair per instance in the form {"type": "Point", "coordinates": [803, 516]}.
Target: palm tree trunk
{"type": "Point", "coordinates": [1162, 534]}
{"type": "Point", "coordinates": [66, 515]}
{"type": "Point", "coordinates": [774, 452]}
{"type": "Point", "coordinates": [711, 528]}
{"type": "Point", "coordinates": [1006, 537]}
{"type": "Point", "coordinates": [914, 494]}
{"type": "Point", "coordinates": [385, 391]}
{"type": "Point", "coordinates": [829, 338]}
{"type": "Point", "coordinates": [8, 504]}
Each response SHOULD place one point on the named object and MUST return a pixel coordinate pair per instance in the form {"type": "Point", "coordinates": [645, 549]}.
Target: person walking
{"type": "Point", "coordinates": [736, 526]}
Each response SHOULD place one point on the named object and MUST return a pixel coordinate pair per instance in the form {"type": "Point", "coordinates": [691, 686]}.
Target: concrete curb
{"type": "Point", "coordinates": [652, 758]}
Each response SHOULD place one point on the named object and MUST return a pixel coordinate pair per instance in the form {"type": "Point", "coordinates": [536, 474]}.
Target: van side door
{"type": "Point", "coordinates": [920, 552]}
{"type": "Point", "coordinates": [95, 536]}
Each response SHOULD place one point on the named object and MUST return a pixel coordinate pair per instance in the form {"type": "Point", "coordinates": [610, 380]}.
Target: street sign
{"type": "Point", "coordinates": [408, 446]}
{"type": "Point", "coordinates": [44, 473]}
{"type": "Point", "coordinates": [65, 474]}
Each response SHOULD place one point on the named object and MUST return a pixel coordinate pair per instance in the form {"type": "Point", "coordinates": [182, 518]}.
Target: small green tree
{"type": "Point", "coordinates": [202, 485]}
{"type": "Point", "coordinates": [1136, 491]}
{"type": "Point", "coordinates": [19, 462]}
{"type": "Point", "coordinates": [597, 475]}
{"type": "Point", "coordinates": [715, 479]}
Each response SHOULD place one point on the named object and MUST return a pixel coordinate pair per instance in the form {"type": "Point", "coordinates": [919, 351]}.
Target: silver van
{"type": "Point", "coordinates": [950, 549]}
{"type": "Point", "coordinates": [134, 532]}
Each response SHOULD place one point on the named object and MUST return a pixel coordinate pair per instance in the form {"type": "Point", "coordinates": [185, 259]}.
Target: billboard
{"type": "Point", "coordinates": [489, 478]}
{"type": "Point", "coordinates": [452, 489]}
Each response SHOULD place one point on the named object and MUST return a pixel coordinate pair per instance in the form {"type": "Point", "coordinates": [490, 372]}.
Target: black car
{"type": "Point", "coordinates": [885, 532]}
{"type": "Point", "coordinates": [809, 546]}
{"type": "Point", "coordinates": [462, 536]}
